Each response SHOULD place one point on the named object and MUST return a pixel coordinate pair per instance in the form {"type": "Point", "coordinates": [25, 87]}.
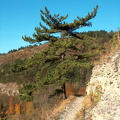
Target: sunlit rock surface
{"type": "Point", "coordinates": [10, 89]}
{"type": "Point", "coordinates": [106, 76]}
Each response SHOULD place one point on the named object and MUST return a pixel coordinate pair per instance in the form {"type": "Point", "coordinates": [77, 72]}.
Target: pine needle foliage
{"type": "Point", "coordinates": [57, 24]}
{"type": "Point", "coordinates": [66, 60]}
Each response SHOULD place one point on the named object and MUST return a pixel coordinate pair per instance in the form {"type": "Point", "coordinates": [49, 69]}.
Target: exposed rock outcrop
{"type": "Point", "coordinates": [105, 80]}
{"type": "Point", "coordinates": [10, 89]}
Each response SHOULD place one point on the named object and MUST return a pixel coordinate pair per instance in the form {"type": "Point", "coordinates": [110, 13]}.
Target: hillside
{"type": "Point", "coordinates": [42, 76]}
{"type": "Point", "coordinates": [21, 54]}
{"type": "Point", "coordinates": [102, 99]}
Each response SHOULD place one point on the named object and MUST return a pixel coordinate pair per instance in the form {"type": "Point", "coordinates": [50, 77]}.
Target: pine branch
{"type": "Point", "coordinates": [57, 24]}
{"type": "Point", "coordinates": [79, 22]}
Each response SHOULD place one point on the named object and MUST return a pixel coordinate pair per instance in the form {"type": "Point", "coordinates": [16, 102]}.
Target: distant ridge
{"type": "Point", "coordinates": [21, 54]}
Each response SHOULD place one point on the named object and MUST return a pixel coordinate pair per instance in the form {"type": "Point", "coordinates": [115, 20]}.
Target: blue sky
{"type": "Point", "coordinates": [20, 17]}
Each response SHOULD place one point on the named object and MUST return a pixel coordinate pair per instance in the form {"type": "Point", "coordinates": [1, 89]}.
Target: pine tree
{"type": "Point", "coordinates": [68, 53]}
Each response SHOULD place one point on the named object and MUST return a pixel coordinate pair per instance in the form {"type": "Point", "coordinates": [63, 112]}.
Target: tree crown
{"type": "Point", "coordinates": [57, 24]}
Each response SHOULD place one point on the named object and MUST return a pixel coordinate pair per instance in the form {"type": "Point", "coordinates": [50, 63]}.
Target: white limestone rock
{"type": "Point", "coordinates": [106, 75]}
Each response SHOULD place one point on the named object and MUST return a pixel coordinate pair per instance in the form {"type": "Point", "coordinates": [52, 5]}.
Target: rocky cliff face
{"type": "Point", "coordinates": [105, 81]}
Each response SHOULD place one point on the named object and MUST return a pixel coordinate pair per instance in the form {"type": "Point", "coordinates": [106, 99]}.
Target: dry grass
{"type": "Point", "coordinates": [109, 52]}
{"type": "Point", "coordinates": [21, 54]}
{"type": "Point", "coordinates": [61, 106]}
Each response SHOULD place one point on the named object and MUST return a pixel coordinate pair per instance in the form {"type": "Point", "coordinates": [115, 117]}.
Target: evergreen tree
{"type": "Point", "coordinates": [69, 53]}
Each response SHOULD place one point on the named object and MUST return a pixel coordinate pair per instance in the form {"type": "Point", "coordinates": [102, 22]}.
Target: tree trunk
{"type": "Point", "coordinates": [64, 91]}
{"type": "Point", "coordinates": [63, 87]}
